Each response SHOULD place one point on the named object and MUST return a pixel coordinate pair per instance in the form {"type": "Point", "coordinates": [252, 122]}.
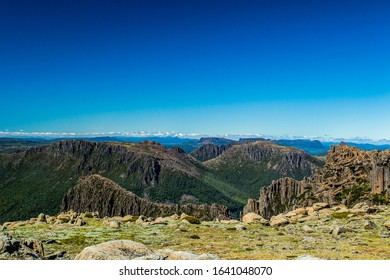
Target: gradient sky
{"type": "Point", "coordinates": [309, 68]}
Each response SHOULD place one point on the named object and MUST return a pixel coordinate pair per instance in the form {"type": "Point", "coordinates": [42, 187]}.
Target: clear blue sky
{"type": "Point", "coordinates": [212, 67]}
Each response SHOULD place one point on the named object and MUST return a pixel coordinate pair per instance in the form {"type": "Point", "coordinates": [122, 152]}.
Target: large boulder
{"type": "Point", "coordinates": [251, 218]}
{"type": "Point", "coordinates": [278, 220]}
{"type": "Point", "coordinates": [114, 250]}
{"type": "Point", "coordinates": [130, 250]}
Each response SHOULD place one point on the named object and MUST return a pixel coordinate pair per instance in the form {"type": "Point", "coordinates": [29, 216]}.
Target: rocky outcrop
{"type": "Point", "coordinates": [209, 151]}
{"type": "Point", "coordinates": [96, 193]}
{"type": "Point", "coordinates": [350, 175]}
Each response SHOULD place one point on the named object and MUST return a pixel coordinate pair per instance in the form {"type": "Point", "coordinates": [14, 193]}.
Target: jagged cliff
{"type": "Point", "coordinates": [350, 175]}
{"type": "Point", "coordinates": [209, 151]}
{"type": "Point", "coordinates": [96, 193]}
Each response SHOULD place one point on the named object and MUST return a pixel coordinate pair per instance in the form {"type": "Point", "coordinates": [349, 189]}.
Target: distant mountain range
{"type": "Point", "coordinates": [312, 147]}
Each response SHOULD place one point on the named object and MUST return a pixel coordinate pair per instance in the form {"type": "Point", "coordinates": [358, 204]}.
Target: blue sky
{"type": "Point", "coordinates": [309, 68]}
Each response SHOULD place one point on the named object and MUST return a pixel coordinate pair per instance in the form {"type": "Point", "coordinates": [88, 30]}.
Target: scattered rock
{"type": "Point", "coordinates": [309, 218]}
{"type": "Point", "coordinates": [55, 256]}
{"type": "Point", "coordinates": [385, 234]}
{"type": "Point", "coordinates": [191, 219]}
{"type": "Point", "coordinates": [63, 217]}
{"type": "Point", "coordinates": [387, 224]}
{"type": "Point", "coordinates": [320, 205]}
{"type": "Point", "coordinates": [229, 222]}
{"type": "Point", "coordinates": [307, 229]}
{"type": "Point", "coordinates": [80, 222]}
{"type": "Point", "coordinates": [372, 217]}
{"type": "Point", "coordinates": [360, 207]}
{"type": "Point", "coordinates": [185, 255]}
{"type": "Point", "coordinates": [240, 228]}
{"type": "Point", "coordinates": [141, 220]}
{"type": "Point", "coordinates": [369, 225]}
{"type": "Point", "coordinates": [41, 218]}
{"type": "Point", "coordinates": [309, 239]}
{"type": "Point", "coordinates": [339, 230]}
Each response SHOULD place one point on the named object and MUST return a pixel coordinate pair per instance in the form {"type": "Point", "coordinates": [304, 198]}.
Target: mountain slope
{"type": "Point", "coordinates": [250, 165]}
{"type": "Point", "coordinates": [35, 181]}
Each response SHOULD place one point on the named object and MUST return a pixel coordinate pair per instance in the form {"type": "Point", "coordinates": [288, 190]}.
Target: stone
{"type": "Point", "coordinates": [50, 220]}
{"type": "Point", "coordinates": [291, 214]}
{"type": "Point", "coordinates": [229, 222]}
{"type": "Point", "coordinates": [308, 239]}
{"type": "Point", "coordinates": [307, 257]}
{"type": "Point", "coordinates": [80, 222]}
{"type": "Point", "coordinates": [114, 250]}
{"type": "Point", "coordinates": [185, 255]}
{"type": "Point", "coordinates": [34, 244]}
{"type": "Point", "coordinates": [278, 220]}
{"type": "Point", "coordinates": [114, 224]}
{"type": "Point", "coordinates": [369, 225]}
{"type": "Point", "coordinates": [307, 229]}
{"type": "Point", "coordinates": [240, 228]}
{"type": "Point", "coordinates": [175, 217]}
{"type": "Point", "coordinates": [373, 217]}
{"type": "Point", "coordinates": [56, 255]}
{"type": "Point", "coordinates": [191, 219]}
{"type": "Point", "coordinates": [325, 211]}
{"type": "Point", "coordinates": [151, 257]}
{"type": "Point", "coordinates": [65, 218]}
{"type": "Point", "coordinates": [300, 211]}
{"type": "Point", "coordinates": [310, 210]}
{"type": "Point", "coordinates": [41, 218]}
{"type": "Point", "coordinates": [320, 205]}
{"type": "Point", "coordinates": [141, 220]}
{"type": "Point", "coordinates": [183, 215]}
{"type": "Point", "coordinates": [387, 224]}
{"type": "Point", "coordinates": [339, 230]}
{"type": "Point", "coordinates": [251, 218]}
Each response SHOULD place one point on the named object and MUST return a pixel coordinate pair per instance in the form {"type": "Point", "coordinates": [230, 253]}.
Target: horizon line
{"type": "Point", "coordinates": [140, 134]}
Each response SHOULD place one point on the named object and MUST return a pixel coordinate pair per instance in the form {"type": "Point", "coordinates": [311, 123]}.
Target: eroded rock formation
{"type": "Point", "coordinates": [96, 193]}
{"type": "Point", "coordinates": [350, 175]}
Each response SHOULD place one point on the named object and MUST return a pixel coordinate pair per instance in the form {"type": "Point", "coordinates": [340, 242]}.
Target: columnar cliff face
{"type": "Point", "coordinates": [209, 151]}
{"type": "Point", "coordinates": [96, 193]}
{"type": "Point", "coordinates": [350, 175]}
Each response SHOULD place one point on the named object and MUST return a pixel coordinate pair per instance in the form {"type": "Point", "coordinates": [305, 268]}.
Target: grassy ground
{"type": "Point", "coordinates": [228, 241]}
